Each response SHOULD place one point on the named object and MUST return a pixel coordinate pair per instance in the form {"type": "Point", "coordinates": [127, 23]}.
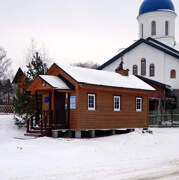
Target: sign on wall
{"type": "Point", "coordinates": [46, 99]}
{"type": "Point", "coordinates": [72, 102]}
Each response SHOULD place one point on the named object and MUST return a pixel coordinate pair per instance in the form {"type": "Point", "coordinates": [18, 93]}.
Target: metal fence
{"type": "Point", "coordinates": [164, 120]}
{"type": "Point", "coordinates": [6, 109]}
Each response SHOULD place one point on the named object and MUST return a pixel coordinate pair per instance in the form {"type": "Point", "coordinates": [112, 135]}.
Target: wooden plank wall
{"type": "Point", "coordinates": [104, 117]}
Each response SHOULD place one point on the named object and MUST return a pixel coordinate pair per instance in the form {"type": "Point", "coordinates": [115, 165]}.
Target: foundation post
{"type": "Point", "coordinates": [92, 133]}
{"type": "Point", "coordinates": [113, 132]}
{"type": "Point", "coordinates": [69, 134]}
{"type": "Point", "coordinates": [77, 134]}
{"type": "Point", "coordinates": [55, 133]}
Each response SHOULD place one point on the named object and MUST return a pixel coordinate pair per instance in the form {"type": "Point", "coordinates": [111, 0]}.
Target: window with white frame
{"type": "Point", "coordinates": [91, 101]}
{"type": "Point", "coordinates": [117, 103]}
{"type": "Point", "coordinates": [138, 104]}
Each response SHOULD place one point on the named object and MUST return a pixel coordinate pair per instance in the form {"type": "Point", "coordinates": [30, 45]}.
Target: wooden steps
{"type": "Point", "coordinates": [33, 134]}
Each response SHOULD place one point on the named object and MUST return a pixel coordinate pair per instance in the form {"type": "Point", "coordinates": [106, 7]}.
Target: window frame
{"type": "Point", "coordinates": [114, 103]}
{"type": "Point", "coordinates": [94, 102]}
{"type": "Point", "coordinates": [141, 104]}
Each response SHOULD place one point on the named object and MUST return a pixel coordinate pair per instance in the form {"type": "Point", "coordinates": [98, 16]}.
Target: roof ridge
{"type": "Point", "coordinates": [169, 47]}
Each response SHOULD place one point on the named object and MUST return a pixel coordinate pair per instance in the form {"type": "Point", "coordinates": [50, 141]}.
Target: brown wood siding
{"type": "Point", "coordinates": [74, 114]}
{"type": "Point", "coordinates": [104, 117]}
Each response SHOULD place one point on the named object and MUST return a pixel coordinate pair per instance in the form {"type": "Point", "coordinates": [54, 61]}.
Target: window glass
{"type": "Point", "coordinates": [138, 104]}
{"type": "Point", "coordinates": [135, 69]}
{"type": "Point", "coordinates": [152, 70]}
{"type": "Point", "coordinates": [166, 28]}
{"type": "Point", "coordinates": [91, 101]}
{"type": "Point", "coordinates": [173, 74]}
{"type": "Point", "coordinates": [117, 103]}
{"type": "Point", "coordinates": [153, 28]}
{"type": "Point", "coordinates": [142, 30]}
{"type": "Point", "coordinates": [143, 67]}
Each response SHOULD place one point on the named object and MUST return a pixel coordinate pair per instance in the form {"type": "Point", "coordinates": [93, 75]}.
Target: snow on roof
{"type": "Point", "coordinates": [54, 81]}
{"type": "Point", "coordinates": [104, 78]}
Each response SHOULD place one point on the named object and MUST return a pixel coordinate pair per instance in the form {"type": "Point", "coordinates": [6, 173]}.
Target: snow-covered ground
{"type": "Point", "coordinates": [133, 156]}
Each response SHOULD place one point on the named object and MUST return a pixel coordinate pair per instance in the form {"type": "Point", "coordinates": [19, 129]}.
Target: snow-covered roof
{"type": "Point", "coordinates": [54, 81]}
{"type": "Point", "coordinates": [104, 78]}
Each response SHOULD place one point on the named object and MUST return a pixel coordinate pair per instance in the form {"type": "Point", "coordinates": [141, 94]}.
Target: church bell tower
{"type": "Point", "coordinates": [157, 20]}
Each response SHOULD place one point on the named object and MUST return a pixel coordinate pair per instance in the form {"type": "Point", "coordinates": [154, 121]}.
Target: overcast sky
{"type": "Point", "coordinates": [70, 30]}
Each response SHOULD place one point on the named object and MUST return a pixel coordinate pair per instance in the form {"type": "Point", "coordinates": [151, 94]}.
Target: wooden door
{"type": "Point", "coordinates": [59, 107]}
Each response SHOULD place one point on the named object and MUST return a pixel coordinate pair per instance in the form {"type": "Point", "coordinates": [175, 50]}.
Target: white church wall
{"type": "Point", "coordinates": [160, 17]}
{"type": "Point", "coordinates": [163, 62]}
{"type": "Point", "coordinates": [171, 63]}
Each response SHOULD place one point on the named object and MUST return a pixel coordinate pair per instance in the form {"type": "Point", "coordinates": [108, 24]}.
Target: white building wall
{"type": "Point", "coordinates": [160, 17]}
{"type": "Point", "coordinates": [163, 62]}
{"type": "Point", "coordinates": [171, 63]}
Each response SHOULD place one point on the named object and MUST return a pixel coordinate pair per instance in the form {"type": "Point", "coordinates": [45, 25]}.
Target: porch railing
{"type": "Point", "coordinates": [40, 122]}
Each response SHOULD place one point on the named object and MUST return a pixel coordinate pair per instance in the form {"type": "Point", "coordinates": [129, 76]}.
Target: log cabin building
{"type": "Point", "coordinates": [78, 99]}
{"type": "Point", "coordinates": [20, 81]}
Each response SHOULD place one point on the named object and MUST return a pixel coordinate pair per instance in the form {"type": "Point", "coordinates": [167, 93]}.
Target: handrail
{"type": "Point", "coordinates": [43, 122]}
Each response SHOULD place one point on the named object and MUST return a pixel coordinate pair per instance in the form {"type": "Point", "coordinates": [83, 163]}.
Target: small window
{"type": "Point", "coordinates": [143, 67]}
{"type": "Point", "coordinates": [43, 83]}
{"type": "Point", "coordinates": [173, 74]}
{"type": "Point", "coordinates": [138, 104]}
{"type": "Point", "coordinates": [142, 30]}
{"type": "Point", "coordinates": [152, 70]}
{"type": "Point", "coordinates": [135, 70]}
{"type": "Point", "coordinates": [153, 28]}
{"type": "Point", "coordinates": [91, 101]}
{"type": "Point", "coordinates": [117, 103]}
{"type": "Point", "coordinates": [166, 28]}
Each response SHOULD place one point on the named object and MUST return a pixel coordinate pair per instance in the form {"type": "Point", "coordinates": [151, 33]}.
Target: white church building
{"type": "Point", "coordinates": [155, 55]}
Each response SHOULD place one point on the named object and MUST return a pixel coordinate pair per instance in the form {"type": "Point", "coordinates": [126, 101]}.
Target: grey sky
{"type": "Point", "coordinates": [71, 30]}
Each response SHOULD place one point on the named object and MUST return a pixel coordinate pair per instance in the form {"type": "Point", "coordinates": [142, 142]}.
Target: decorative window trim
{"type": "Point", "coordinates": [92, 105]}
{"type": "Point", "coordinates": [115, 98]}
{"type": "Point", "coordinates": [139, 104]}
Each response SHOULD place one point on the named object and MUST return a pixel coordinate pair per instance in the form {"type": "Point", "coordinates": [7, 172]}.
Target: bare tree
{"type": "Point", "coordinates": [32, 49]}
{"type": "Point", "coordinates": [4, 65]}
{"type": "Point", "coordinates": [88, 64]}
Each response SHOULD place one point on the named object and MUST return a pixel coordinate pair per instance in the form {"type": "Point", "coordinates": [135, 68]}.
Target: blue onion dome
{"type": "Point", "coordinates": [155, 5]}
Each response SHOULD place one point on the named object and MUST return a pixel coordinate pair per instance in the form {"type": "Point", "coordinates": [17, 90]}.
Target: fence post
{"type": "Point", "coordinates": [28, 126]}
{"type": "Point", "coordinates": [171, 118]}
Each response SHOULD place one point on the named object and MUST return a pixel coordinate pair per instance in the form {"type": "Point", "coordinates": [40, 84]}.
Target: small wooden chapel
{"type": "Point", "coordinates": [75, 99]}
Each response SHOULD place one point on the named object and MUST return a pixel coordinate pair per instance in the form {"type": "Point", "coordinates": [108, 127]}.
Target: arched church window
{"type": "Point", "coordinates": [142, 30]}
{"type": "Point", "coordinates": [173, 74]}
{"type": "Point", "coordinates": [166, 28]}
{"type": "Point", "coordinates": [153, 30]}
{"type": "Point", "coordinates": [135, 69]}
{"type": "Point", "coordinates": [152, 70]}
{"type": "Point", "coordinates": [143, 66]}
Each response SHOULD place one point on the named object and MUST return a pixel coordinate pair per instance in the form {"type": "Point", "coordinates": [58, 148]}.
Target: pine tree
{"type": "Point", "coordinates": [24, 103]}
{"type": "Point", "coordinates": [36, 67]}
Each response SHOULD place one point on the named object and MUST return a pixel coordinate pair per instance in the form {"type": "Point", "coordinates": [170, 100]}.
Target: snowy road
{"type": "Point", "coordinates": [133, 156]}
